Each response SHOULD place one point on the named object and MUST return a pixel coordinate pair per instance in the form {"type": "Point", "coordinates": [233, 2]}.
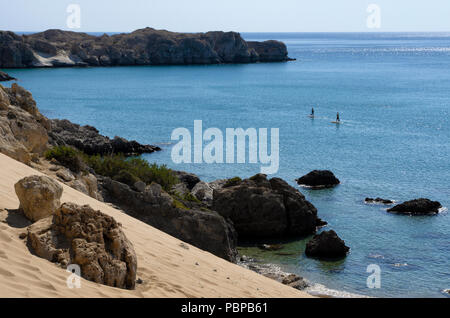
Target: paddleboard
{"type": "Point", "coordinates": [336, 122]}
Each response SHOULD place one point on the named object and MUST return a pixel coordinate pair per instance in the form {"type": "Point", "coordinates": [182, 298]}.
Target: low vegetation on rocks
{"type": "Point", "coordinates": [117, 166]}
{"type": "Point", "coordinates": [67, 156]}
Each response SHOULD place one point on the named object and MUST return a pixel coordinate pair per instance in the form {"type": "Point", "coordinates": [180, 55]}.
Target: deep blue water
{"type": "Point", "coordinates": [393, 94]}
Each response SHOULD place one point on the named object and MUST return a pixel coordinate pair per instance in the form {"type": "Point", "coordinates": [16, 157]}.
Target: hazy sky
{"type": "Point", "coordinates": [237, 15]}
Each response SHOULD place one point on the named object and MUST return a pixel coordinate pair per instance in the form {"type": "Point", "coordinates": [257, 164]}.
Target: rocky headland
{"type": "Point", "coordinates": [90, 141]}
{"type": "Point", "coordinates": [57, 48]}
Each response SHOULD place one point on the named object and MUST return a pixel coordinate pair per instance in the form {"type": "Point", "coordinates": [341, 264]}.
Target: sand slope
{"type": "Point", "coordinates": [167, 268]}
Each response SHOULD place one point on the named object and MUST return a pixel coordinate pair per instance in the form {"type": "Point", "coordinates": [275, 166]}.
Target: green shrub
{"type": "Point", "coordinates": [132, 170]}
{"type": "Point", "coordinates": [232, 182]}
{"type": "Point", "coordinates": [67, 156]}
{"type": "Point", "coordinates": [126, 177]}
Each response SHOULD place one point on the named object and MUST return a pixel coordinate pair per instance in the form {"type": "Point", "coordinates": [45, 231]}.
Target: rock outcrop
{"type": "Point", "coordinates": [326, 245]}
{"type": "Point", "coordinates": [187, 221]}
{"type": "Point", "coordinates": [56, 48]}
{"type": "Point", "coordinates": [203, 191]}
{"type": "Point", "coordinates": [417, 207]}
{"type": "Point", "coordinates": [318, 179]}
{"type": "Point", "coordinates": [39, 196]}
{"type": "Point", "coordinates": [5, 77]}
{"type": "Point", "coordinates": [23, 130]}
{"type": "Point", "coordinates": [262, 208]}
{"type": "Point", "coordinates": [189, 179]}
{"type": "Point", "coordinates": [89, 140]}
{"type": "Point", "coordinates": [94, 241]}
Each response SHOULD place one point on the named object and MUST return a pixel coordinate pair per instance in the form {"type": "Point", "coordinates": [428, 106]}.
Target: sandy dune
{"type": "Point", "coordinates": [166, 267]}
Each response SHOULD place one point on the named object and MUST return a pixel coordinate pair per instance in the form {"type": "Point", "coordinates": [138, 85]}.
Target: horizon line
{"type": "Point", "coordinates": [274, 32]}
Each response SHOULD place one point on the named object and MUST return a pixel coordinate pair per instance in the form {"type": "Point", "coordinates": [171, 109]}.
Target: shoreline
{"type": "Point", "coordinates": [275, 272]}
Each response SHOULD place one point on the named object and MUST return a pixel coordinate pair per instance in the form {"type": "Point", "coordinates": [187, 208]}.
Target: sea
{"type": "Point", "coordinates": [392, 91]}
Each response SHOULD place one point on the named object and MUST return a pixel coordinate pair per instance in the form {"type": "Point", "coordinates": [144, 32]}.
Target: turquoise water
{"type": "Point", "coordinates": [393, 94]}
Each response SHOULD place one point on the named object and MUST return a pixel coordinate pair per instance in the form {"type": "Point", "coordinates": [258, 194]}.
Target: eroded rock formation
{"type": "Point", "coordinates": [95, 241]}
{"type": "Point", "coordinates": [23, 129]}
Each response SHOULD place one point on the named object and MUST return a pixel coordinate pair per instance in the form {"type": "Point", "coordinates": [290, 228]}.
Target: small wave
{"type": "Point", "coordinates": [320, 290]}
{"type": "Point", "coordinates": [400, 264]}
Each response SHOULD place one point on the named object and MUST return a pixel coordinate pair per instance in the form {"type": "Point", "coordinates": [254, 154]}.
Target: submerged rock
{"type": "Point", "coordinates": [417, 207]}
{"type": "Point", "coordinates": [326, 245]}
{"type": "Point", "coordinates": [262, 208]}
{"type": "Point", "coordinates": [378, 200]}
{"type": "Point", "coordinates": [93, 240]}
{"type": "Point", "coordinates": [39, 196]}
{"type": "Point", "coordinates": [318, 179]}
{"type": "Point", "coordinates": [270, 247]}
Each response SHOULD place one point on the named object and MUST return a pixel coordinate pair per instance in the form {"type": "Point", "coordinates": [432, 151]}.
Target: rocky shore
{"type": "Point", "coordinates": [57, 48]}
{"type": "Point", "coordinates": [5, 77]}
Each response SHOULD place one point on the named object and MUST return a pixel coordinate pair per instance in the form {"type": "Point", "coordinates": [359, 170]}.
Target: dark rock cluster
{"type": "Point", "coordinates": [190, 223]}
{"type": "Point", "coordinates": [90, 141]}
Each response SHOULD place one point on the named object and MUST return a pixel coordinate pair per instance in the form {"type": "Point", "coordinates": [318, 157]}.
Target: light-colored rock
{"type": "Point", "coordinates": [80, 186]}
{"type": "Point", "coordinates": [92, 184]}
{"type": "Point", "coordinates": [155, 189]}
{"type": "Point", "coordinates": [204, 190]}
{"type": "Point", "coordinates": [65, 175]}
{"type": "Point", "coordinates": [140, 186]}
{"type": "Point", "coordinates": [23, 130]}
{"type": "Point", "coordinates": [89, 238]}
{"type": "Point", "coordinates": [39, 196]}
{"type": "Point", "coordinates": [4, 99]}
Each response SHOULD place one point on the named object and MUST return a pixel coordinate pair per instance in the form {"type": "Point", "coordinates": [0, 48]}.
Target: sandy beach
{"type": "Point", "coordinates": [167, 267]}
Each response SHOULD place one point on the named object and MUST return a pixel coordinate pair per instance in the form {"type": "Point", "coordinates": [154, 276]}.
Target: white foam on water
{"type": "Point", "coordinates": [320, 290]}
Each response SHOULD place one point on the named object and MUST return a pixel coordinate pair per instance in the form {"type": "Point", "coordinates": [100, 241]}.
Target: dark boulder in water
{"type": "Point", "coordinates": [417, 207]}
{"type": "Point", "coordinates": [326, 245]}
{"type": "Point", "coordinates": [262, 208]}
{"type": "Point", "coordinates": [5, 77]}
{"type": "Point", "coordinates": [318, 179]}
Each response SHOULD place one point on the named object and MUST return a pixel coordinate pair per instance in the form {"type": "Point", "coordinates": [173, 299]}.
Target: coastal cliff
{"type": "Point", "coordinates": [57, 48]}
